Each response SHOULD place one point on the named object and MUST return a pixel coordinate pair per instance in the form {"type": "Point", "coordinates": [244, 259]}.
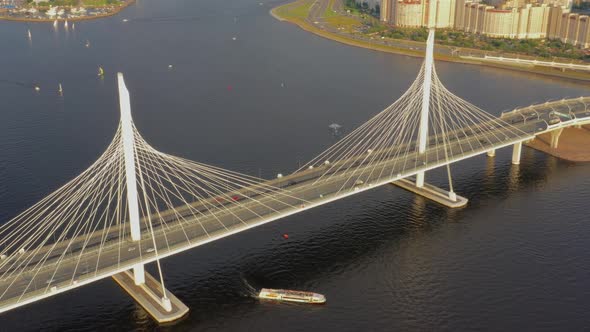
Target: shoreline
{"type": "Point", "coordinates": [573, 144]}
{"type": "Point", "coordinates": [547, 72]}
{"type": "Point", "coordinates": [117, 10]}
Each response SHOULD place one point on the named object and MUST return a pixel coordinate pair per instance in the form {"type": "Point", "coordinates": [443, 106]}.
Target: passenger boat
{"type": "Point", "coordinates": [291, 296]}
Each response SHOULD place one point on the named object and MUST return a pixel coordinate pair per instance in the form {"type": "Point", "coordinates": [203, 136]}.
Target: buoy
{"type": "Point", "coordinates": [285, 236]}
{"type": "Point", "coordinates": [169, 66]}
{"type": "Point", "coordinates": [37, 88]}
{"type": "Point", "coordinates": [234, 38]}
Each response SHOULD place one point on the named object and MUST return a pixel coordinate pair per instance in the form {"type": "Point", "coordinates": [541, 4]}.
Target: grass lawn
{"type": "Point", "coordinates": [298, 10]}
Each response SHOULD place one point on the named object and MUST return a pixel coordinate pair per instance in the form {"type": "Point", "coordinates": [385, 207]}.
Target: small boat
{"type": "Point", "coordinates": [51, 12]}
{"type": "Point", "coordinates": [60, 90]}
{"type": "Point", "coordinates": [125, 20]}
{"type": "Point", "coordinates": [37, 88]}
{"type": "Point", "coordinates": [100, 72]}
{"type": "Point", "coordinates": [87, 43]}
{"type": "Point", "coordinates": [291, 296]}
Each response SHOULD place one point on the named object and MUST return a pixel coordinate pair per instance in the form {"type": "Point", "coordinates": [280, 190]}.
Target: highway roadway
{"type": "Point", "coordinates": [178, 230]}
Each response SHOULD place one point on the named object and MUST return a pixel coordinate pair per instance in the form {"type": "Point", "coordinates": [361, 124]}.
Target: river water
{"type": "Point", "coordinates": [516, 258]}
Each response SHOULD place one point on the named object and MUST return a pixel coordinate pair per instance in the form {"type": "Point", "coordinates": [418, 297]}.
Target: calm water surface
{"type": "Point", "coordinates": [515, 259]}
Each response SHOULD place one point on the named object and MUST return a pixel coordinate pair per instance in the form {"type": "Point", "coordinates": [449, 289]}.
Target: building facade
{"type": "Point", "coordinates": [419, 13]}
{"type": "Point", "coordinates": [512, 19]}
{"type": "Point", "coordinates": [527, 22]}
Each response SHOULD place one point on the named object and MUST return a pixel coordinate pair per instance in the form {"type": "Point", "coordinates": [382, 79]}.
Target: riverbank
{"type": "Point", "coordinates": [574, 144]}
{"type": "Point", "coordinates": [333, 26]}
{"type": "Point", "coordinates": [115, 10]}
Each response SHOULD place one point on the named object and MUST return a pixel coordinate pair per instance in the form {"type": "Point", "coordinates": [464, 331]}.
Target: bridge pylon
{"type": "Point", "coordinates": [127, 138]}
{"type": "Point", "coordinates": [152, 296]}
{"type": "Point", "coordinates": [426, 88]}
{"type": "Point", "coordinates": [447, 198]}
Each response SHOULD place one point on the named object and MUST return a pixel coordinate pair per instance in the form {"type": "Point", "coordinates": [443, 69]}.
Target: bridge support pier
{"type": "Point", "coordinates": [420, 179]}
{"type": "Point", "coordinates": [139, 274]}
{"type": "Point", "coordinates": [439, 195]}
{"type": "Point", "coordinates": [492, 153]}
{"type": "Point", "coordinates": [516, 153]}
{"type": "Point", "coordinates": [163, 308]}
{"type": "Point", "coordinates": [555, 134]}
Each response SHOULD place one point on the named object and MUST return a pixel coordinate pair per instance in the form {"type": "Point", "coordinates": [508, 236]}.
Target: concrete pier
{"type": "Point", "coordinates": [441, 196]}
{"type": "Point", "coordinates": [516, 153]}
{"type": "Point", "coordinates": [555, 138]}
{"type": "Point", "coordinates": [492, 153]}
{"type": "Point", "coordinates": [149, 296]}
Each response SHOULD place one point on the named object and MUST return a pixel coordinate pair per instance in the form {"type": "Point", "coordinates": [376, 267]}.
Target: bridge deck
{"type": "Point", "coordinates": [306, 189]}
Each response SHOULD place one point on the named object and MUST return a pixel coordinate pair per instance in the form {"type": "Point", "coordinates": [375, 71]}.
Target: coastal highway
{"type": "Point", "coordinates": [300, 191]}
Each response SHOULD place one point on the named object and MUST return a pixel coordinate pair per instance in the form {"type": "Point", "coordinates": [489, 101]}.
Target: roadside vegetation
{"type": "Point", "coordinates": [542, 48]}
{"type": "Point", "coordinates": [362, 8]}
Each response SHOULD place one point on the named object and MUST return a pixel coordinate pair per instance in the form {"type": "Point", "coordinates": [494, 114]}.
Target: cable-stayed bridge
{"type": "Point", "coordinates": [136, 205]}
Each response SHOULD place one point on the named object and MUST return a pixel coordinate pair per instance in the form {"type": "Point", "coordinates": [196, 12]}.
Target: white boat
{"type": "Point", "coordinates": [52, 12]}
{"type": "Point", "coordinates": [291, 296]}
{"type": "Point", "coordinates": [87, 44]}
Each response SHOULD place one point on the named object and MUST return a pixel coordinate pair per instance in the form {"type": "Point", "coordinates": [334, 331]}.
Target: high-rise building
{"type": "Point", "coordinates": [573, 29]}
{"type": "Point", "coordinates": [416, 13]}
{"type": "Point", "coordinates": [511, 20]}
{"type": "Point", "coordinates": [386, 12]}
{"type": "Point", "coordinates": [526, 22]}
{"type": "Point", "coordinates": [408, 13]}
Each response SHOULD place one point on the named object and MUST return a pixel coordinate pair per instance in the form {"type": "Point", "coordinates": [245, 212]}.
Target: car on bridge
{"type": "Point", "coordinates": [554, 120]}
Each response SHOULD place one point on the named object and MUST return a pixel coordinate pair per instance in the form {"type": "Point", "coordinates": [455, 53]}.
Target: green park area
{"type": "Point", "coordinates": [542, 48]}
{"type": "Point", "coordinates": [296, 11]}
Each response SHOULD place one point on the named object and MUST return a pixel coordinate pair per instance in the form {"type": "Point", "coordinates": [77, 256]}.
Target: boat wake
{"type": "Point", "coordinates": [249, 290]}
